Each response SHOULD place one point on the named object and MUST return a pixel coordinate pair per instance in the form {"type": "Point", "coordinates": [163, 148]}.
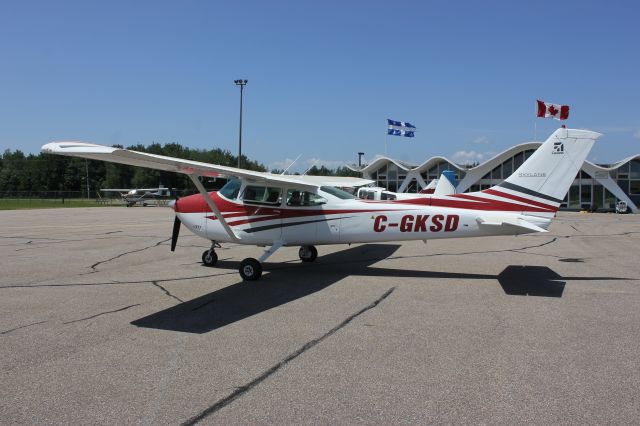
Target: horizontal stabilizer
{"type": "Point", "coordinates": [517, 223]}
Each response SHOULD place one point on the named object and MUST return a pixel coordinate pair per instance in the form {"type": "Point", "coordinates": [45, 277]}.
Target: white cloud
{"type": "Point", "coordinates": [330, 164]}
{"type": "Point", "coordinates": [480, 140]}
{"type": "Point", "coordinates": [464, 157]}
{"type": "Point", "coordinates": [636, 134]}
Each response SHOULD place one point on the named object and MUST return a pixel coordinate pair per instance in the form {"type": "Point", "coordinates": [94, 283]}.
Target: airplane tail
{"type": "Point", "coordinates": [446, 184]}
{"type": "Point", "coordinates": [545, 177]}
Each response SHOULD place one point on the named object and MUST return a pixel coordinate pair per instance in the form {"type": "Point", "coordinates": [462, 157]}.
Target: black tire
{"type": "Point", "coordinates": [308, 253]}
{"type": "Point", "coordinates": [250, 269]}
{"type": "Point", "coordinates": [209, 258]}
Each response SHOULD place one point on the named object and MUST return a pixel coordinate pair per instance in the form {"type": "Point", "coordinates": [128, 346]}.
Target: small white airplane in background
{"type": "Point", "coordinates": [273, 211]}
{"type": "Point", "coordinates": [131, 197]}
{"type": "Point", "coordinates": [444, 186]}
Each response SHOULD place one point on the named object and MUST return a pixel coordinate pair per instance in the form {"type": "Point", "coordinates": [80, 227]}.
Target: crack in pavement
{"type": "Point", "coordinates": [155, 283]}
{"type": "Point", "coordinates": [22, 326]}
{"type": "Point", "coordinates": [241, 390]}
{"type": "Point", "coordinates": [121, 282]}
{"type": "Point", "coordinates": [101, 313]}
{"type": "Point", "coordinates": [514, 250]}
{"type": "Point", "coordinates": [127, 252]}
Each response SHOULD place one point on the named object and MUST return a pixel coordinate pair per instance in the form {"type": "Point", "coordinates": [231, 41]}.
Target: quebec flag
{"type": "Point", "coordinates": [400, 128]}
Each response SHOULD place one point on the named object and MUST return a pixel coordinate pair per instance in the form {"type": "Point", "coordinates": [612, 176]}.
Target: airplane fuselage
{"type": "Point", "coordinates": [344, 221]}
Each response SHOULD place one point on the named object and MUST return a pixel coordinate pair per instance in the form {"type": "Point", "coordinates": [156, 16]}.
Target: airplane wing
{"type": "Point", "coordinates": [178, 165]}
{"type": "Point", "coordinates": [517, 223]}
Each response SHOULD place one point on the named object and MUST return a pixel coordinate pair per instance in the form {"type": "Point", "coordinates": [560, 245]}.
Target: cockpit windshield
{"type": "Point", "coordinates": [231, 189]}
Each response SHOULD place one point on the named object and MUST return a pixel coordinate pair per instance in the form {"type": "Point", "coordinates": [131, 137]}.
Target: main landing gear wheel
{"type": "Point", "coordinates": [209, 257]}
{"type": "Point", "coordinates": [250, 269]}
{"type": "Point", "coordinates": [308, 253]}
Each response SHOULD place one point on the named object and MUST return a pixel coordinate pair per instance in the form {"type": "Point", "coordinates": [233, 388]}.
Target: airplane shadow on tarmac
{"type": "Point", "coordinates": [288, 282]}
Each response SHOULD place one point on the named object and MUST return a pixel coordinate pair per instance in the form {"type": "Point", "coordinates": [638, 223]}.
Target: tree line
{"type": "Point", "coordinates": [38, 173]}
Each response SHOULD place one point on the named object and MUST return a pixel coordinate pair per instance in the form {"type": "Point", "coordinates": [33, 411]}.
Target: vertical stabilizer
{"type": "Point", "coordinates": [547, 175]}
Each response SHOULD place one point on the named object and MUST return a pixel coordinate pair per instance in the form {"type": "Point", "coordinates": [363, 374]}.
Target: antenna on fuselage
{"type": "Point", "coordinates": [312, 166]}
{"type": "Point", "coordinates": [292, 163]}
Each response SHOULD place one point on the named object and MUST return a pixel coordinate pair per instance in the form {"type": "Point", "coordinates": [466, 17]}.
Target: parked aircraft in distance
{"type": "Point", "coordinates": [273, 211]}
{"type": "Point", "coordinates": [143, 196]}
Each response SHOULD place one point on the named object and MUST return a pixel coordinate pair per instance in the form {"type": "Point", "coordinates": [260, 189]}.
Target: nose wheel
{"type": "Point", "coordinates": [209, 257]}
{"type": "Point", "coordinates": [308, 253]}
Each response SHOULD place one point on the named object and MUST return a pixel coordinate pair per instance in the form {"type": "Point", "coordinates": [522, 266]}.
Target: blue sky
{"type": "Point", "coordinates": [323, 76]}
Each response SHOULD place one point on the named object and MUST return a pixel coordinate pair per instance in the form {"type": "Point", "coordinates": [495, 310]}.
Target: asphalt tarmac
{"type": "Point", "coordinates": [101, 324]}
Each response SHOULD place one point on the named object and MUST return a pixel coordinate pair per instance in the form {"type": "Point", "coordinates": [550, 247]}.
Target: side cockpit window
{"type": "Point", "coordinates": [297, 198]}
{"type": "Point", "coordinates": [231, 189]}
{"type": "Point", "coordinates": [254, 194]}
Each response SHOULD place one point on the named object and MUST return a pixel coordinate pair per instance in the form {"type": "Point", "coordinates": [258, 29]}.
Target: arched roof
{"type": "Point", "coordinates": [482, 168]}
{"type": "Point", "coordinates": [435, 160]}
{"type": "Point", "coordinates": [615, 165]}
{"type": "Point", "coordinates": [380, 160]}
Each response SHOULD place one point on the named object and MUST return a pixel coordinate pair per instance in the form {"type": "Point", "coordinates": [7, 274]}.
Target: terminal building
{"type": "Point", "coordinates": [597, 187]}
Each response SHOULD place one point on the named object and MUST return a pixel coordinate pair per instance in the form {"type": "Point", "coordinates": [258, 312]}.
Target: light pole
{"type": "Point", "coordinates": [240, 83]}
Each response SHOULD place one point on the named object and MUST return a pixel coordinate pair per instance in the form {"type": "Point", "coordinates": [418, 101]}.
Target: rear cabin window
{"type": "Point", "coordinates": [261, 195]}
{"type": "Point", "coordinates": [387, 196]}
{"type": "Point", "coordinates": [296, 198]}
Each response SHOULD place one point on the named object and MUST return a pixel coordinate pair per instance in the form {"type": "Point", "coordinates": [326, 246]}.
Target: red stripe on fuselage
{"type": "Point", "coordinates": [470, 202]}
{"type": "Point", "coordinates": [521, 199]}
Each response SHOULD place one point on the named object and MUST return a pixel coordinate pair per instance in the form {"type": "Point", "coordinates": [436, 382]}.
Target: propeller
{"type": "Point", "coordinates": [176, 221]}
{"type": "Point", "coordinates": [176, 232]}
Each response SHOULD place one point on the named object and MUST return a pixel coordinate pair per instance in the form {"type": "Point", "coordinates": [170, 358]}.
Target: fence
{"type": "Point", "coordinates": [44, 199]}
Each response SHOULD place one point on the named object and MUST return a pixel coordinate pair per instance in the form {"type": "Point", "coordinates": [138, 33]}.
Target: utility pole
{"type": "Point", "coordinates": [240, 83]}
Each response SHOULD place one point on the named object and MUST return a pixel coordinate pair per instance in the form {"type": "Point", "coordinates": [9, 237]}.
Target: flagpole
{"type": "Point", "coordinates": [535, 130]}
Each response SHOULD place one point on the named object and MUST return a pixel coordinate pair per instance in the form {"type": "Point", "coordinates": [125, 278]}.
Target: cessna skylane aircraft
{"type": "Point", "coordinates": [273, 211]}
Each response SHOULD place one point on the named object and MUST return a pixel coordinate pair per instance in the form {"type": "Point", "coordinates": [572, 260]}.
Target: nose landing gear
{"type": "Point", "coordinates": [209, 257]}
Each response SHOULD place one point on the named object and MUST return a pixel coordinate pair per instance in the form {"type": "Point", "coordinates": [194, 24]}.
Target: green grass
{"type": "Point", "coordinates": [45, 203]}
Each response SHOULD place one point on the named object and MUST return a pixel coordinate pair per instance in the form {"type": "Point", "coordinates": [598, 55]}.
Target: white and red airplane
{"type": "Point", "coordinates": [273, 211]}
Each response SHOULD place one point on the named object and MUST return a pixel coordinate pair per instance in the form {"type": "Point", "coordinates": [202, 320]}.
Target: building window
{"type": "Point", "coordinates": [609, 200]}
{"type": "Point", "coordinates": [623, 171]}
{"type": "Point", "coordinates": [634, 172]}
{"type": "Point", "coordinates": [623, 184]}
{"type": "Point", "coordinates": [634, 187]}
{"type": "Point", "coordinates": [432, 173]}
{"type": "Point", "coordinates": [412, 187]}
{"type": "Point", "coordinates": [574, 197]}
{"type": "Point", "coordinates": [585, 196]}
{"type": "Point", "coordinates": [507, 168]}
{"type": "Point", "coordinates": [518, 160]}
{"type": "Point", "coordinates": [496, 173]}
{"type": "Point", "coordinates": [598, 191]}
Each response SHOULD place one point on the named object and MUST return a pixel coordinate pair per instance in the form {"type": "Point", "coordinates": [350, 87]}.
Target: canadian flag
{"type": "Point", "coordinates": [559, 112]}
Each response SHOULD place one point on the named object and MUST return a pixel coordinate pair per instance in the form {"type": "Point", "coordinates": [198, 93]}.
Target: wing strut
{"type": "Point", "coordinates": [214, 208]}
